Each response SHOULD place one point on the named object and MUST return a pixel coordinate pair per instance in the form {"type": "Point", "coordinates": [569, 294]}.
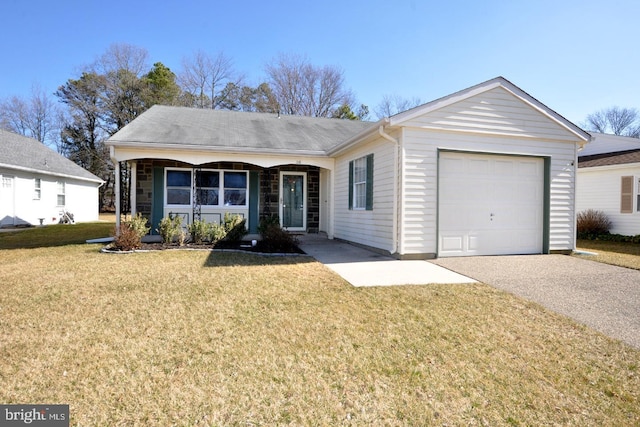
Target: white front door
{"type": "Point", "coordinates": [7, 201]}
{"type": "Point", "coordinates": [490, 204]}
{"type": "Point", "coordinates": [293, 197]}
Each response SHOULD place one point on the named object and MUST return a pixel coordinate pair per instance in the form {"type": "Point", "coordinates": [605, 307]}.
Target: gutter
{"type": "Point", "coordinates": [231, 150]}
{"type": "Point", "coordinates": [397, 189]}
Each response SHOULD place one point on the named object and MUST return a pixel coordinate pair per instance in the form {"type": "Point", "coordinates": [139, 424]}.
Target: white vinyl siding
{"type": "Point", "coordinates": [496, 112]}
{"type": "Point", "coordinates": [367, 227]}
{"type": "Point", "coordinates": [599, 188]}
{"type": "Point", "coordinates": [420, 189]}
{"type": "Point", "coordinates": [80, 199]}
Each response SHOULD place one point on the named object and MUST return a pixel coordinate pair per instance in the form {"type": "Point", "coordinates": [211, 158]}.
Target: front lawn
{"type": "Point", "coordinates": [623, 254]}
{"type": "Point", "coordinates": [206, 338]}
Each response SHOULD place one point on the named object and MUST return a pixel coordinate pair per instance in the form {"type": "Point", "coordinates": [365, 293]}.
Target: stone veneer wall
{"type": "Point", "coordinates": [270, 192]}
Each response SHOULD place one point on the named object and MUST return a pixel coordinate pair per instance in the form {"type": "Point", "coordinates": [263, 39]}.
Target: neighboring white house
{"type": "Point", "coordinates": [488, 170]}
{"type": "Point", "coordinates": [609, 181]}
{"type": "Point", "coordinates": [37, 184]}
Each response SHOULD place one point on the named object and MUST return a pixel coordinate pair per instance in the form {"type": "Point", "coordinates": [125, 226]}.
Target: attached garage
{"type": "Point", "coordinates": [490, 204]}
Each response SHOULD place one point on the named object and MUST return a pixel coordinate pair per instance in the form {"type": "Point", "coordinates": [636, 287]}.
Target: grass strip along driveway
{"type": "Point", "coordinates": [206, 338]}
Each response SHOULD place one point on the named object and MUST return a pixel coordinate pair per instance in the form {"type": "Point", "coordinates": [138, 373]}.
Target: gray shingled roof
{"type": "Point", "coordinates": [607, 159]}
{"type": "Point", "coordinates": [22, 153]}
{"type": "Point", "coordinates": [163, 125]}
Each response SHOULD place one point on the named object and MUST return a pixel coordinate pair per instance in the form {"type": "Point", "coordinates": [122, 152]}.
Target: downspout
{"type": "Point", "coordinates": [397, 189]}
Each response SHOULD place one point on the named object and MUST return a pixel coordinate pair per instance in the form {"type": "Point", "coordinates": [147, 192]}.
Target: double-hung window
{"type": "Point", "coordinates": [361, 183]}
{"type": "Point", "coordinates": [61, 193]}
{"type": "Point", "coordinates": [37, 189]}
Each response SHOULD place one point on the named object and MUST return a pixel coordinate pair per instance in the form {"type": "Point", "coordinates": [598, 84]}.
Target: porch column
{"type": "Point", "coordinates": [332, 203]}
{"type": "Point", "coordinates": [117, 194]}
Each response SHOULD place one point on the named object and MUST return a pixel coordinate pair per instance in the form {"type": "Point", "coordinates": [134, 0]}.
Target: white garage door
{"type": "Point", "coordinates": [490, 204]}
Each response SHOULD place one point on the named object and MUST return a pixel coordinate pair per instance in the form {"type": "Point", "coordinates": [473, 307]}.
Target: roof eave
{"type": "Point", "coordinates": [57, 174]}
{"type": "Point", "coordinates": [221, 149]}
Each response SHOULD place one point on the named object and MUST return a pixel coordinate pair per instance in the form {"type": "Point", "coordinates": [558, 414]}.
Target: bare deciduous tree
{"type": "Point", "coordinates": [303, 89]}
{"type": "Point", "coordinates": [205, 77]}
{"type": "Point", "coordinates": [615, 120]}
{"type": "Point", "coordinates": [37, 117]}
{"type": "Point", "coordinates": [394, 104]}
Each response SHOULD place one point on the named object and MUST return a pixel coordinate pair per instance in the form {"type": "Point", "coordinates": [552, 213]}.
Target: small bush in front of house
{"type": "Point", "coordinates": [140, 225]}
{"type": "Point", "coordinates": [170, 229]}
{"type": "Point", "coordinates": [274, 238]}
{"type": "Point", "coordinates": [129, 237]}
{"type": "Point", "coordinates": [235, 228]}
{"type": "Point", "coordinates": [592, 223]}
{"type": "Point", "coordinates": [126, 239]}
{"type": "Point", "coordinates": [267, 222]}
{"type": "Point", "coordinates": [217, 232]}
{"type": "Point", "coordinates": [200, 231]}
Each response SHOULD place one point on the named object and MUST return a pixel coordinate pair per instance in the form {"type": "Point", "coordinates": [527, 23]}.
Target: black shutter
{"type": "Point", "coordinates": [351, 185]}
{"type": "Point", "coordinates": [370, 182]}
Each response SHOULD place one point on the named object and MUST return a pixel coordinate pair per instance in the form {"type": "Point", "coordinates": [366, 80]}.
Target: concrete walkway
{"type": "Point", "coordinates": [604, 297]}
{"type": "Point", "coordinates": [362, 267]}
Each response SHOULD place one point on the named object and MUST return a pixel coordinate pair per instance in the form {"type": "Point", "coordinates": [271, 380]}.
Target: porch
{"type": "Point", "coordinates": [297, 193]}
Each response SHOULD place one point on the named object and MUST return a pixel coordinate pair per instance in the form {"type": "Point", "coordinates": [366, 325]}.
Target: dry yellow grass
{"type": "Point", "coordinates": [197, 338]}
{"type": "Point", "coordinates": [616, 253]}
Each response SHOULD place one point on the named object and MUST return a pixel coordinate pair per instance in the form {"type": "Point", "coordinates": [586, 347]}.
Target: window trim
{"type": "Point", "coordinates": [61, 185]}
{"type": "Point", "coordinates": [37, 189]}
{"type": "Point", "coordinates": [368, 190]}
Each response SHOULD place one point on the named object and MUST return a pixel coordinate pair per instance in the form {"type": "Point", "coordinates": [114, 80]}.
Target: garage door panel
{"type": "Point", "coordinates": [490, 204]}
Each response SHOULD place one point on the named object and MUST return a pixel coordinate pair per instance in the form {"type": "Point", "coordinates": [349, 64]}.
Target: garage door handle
{"type": "Point", "coordinates": [491, 216]}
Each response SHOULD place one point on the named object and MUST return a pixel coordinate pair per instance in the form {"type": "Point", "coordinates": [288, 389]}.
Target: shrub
{"type": "Point", "coordinates": [200, 231]}
{"type": "Point", "coordinates": [234, 226]}
{"type": "Point", "coordinates": [217, 232]}
{"type": "Point", "coordinates": [268, 221]}
{"type": "Point", "coordinates": [127, 238]}
{"type": "Point", "coordinates": [171, 228]}
{"type": "Point", "coordinates": [275, 239]}
{"type": "Point", "coordinates": [592, 222]}
{"type": "Point", "coordinates": [139, 224]}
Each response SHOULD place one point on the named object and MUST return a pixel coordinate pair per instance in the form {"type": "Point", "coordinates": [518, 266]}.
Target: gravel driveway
{"type": "Point", "coordinates": [604, 297]}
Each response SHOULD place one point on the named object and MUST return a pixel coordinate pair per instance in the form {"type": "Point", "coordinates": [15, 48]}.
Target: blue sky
{"type": "Point", "coordinates": [576, 57]}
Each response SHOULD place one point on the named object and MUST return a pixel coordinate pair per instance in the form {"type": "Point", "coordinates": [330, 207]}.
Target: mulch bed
{"type": "Point", "coordinates": [244, 246]}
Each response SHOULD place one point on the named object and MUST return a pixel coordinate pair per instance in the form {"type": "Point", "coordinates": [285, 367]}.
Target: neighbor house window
{"type": "Point", "coordinates": [361, 183]}
{"type": "Point", "coordinates": [37, 189]}
{"type": "Point", "coordinates": [178, 187]}
{"type": "Point", "coordinates": [61, 193]}
{"type": "Point", "coordinates": [214, 188]}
